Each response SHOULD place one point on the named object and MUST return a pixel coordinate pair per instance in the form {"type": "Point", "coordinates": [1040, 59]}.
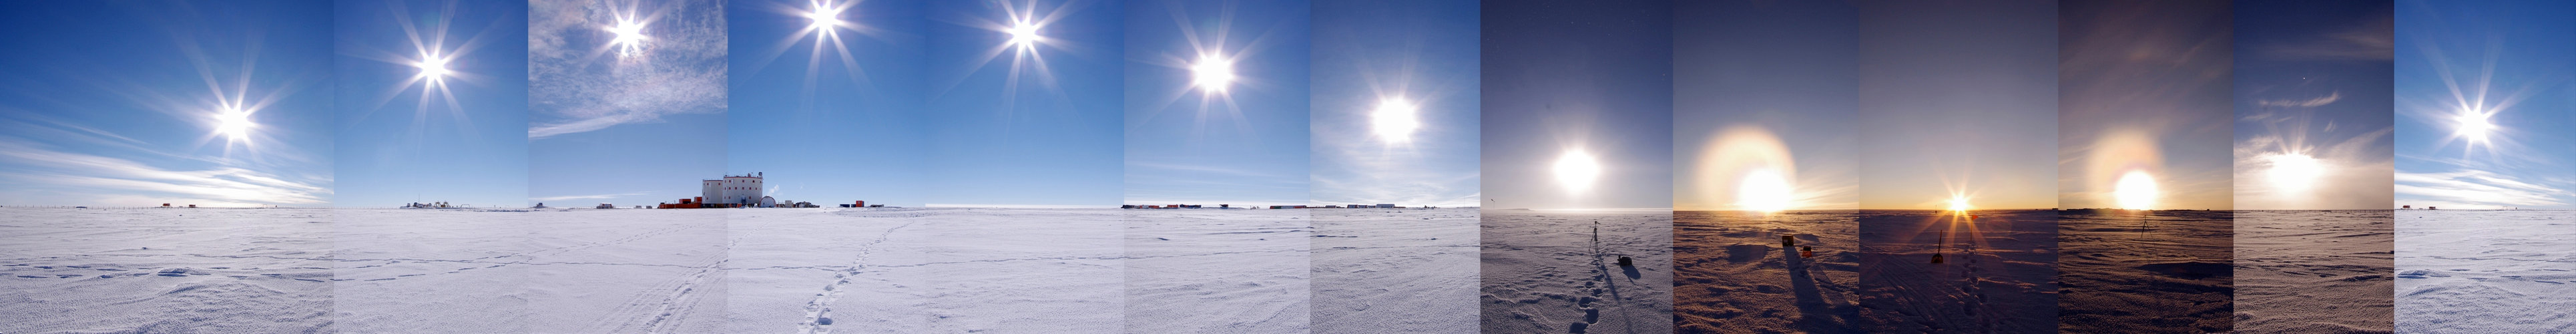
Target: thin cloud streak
{"type": "Point", "coordinates": [576, 85]}
{"type": "Point", "coordinates": [2478, 189]}
{"type": "Point", "coordinates": [2308, 103]}
{"type": "Point", "coordinates": [77, 175]}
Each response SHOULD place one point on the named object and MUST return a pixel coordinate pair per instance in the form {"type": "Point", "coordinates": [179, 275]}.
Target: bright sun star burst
{"type": "Point", "coordinates": [2293, 172]}
{"type": "Point", "coordinates": [433, 67]}
{"type": "Point", "coordinates": [1763, 190]}
{"type": "Point", "coordinates": [233, 123]}
{"type": "Point", "coordinates": [1395, 120]}
{"type": "Point", "coordinates": [1577, 170]}
{"type": "Point", "coordinates": [2135, 191]}
{"type": "Point", "coordinates": [1959, 203]}
{"type": "Point", "coordinates": [824, 16]}
{"type": "Point", "coordinates": [1024, 34]}
{"type": "Point", "coordinates": [630, 37]}
{"type": "Point", "coordinates": [2474, 125]}
{"type": "Point", "coordinates": [1212, 73]}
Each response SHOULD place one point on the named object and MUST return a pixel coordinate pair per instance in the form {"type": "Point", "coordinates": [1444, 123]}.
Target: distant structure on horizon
{"type": "Point", "coordinates": [739, 190]}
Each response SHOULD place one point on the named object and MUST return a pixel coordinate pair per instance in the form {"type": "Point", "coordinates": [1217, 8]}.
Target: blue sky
{"type": "Point", "coordinates": [1395, 54]}
{"type": "Point", "coordinates": [2144, 105]}
{"type": "Point", "coordinates": [1568, 77]}
{"type": "Point", "coordinates": [2512, 61]}
{"type": "Point", "coordinates": [1958, 98]}
{"type": "Point", "coordinates": [1765, 88]}
{"type": "Point", "coordinates": [117, 104]}
{"type": "Point", "coordinates": [406, 137]}
{"type": "Point", "coordinates": [2312, 80]}
{"type": "Point", "coordinates": [830, 114]}
{"type": "Point", "coordinates": [629, 125]}
{"type": "Point", "coordinates": [1242, 142]}
{"type": "Point", "coordinates": [1026, 124]}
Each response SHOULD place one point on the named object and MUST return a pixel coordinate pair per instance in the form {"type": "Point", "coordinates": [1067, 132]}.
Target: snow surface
{"type": "Point", "coordinates": [1732, 276]}
{"type": "Point", "coordinates": [2315, 271]}
{"type": "Point", "coordinates": [1218, 271]}
{"type": "Point", "coordinates": [874, 270]}
{"type": "Point", "coordinates": [1544, 273]}
{"type": "Point", "coordinates": [1998, 273]}
{"type": "Point", "coordinates": [1395, 271]}
{"type": "Point", "coordinates": [2145, 271]}
{"type": "Point", "coordinates": [2463, 271]}
{"type": "Point", "coordinates": [165, 270]}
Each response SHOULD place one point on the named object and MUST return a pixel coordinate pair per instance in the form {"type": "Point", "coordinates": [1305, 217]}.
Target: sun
{"type": "Point", "coordinates": [234, 123]}
{"type": "Point", "coordinates": [1577, 170]}
{"type": "Point", "coordinates": [2293, 171]}
{"type": "Point", "coordinates": [2135, 191]}
{"type": "Point", "coordinates": [630, 37]}
{"type": "Point", "coordinates": [1212, 73]}
{"type": "Point", "coordinates": [433, 68]}
{"type": "Point", "coordinates": [824, 16]}
{"type": "Point", "coordinates": [2473, 125]}
{"type": "Point", "coordinates": [1764, 190]}
{"type": "Point", "coordinates": [1024, 34]}
{"type": "Point", "coordinates": [1959, 203]}
{"type": "Point", "coordinates": [1395, 120]}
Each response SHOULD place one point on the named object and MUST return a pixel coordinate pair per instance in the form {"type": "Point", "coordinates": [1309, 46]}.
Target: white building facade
{"type": "Point", "coordinates": [735, 189]}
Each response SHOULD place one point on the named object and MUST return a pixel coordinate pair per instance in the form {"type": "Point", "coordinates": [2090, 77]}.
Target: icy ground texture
{"type": "Point", "coordinates": [165, 270]}
{"type": "Point", "coordinates": [1543, 272]}
{"type": "Point", "coordinates": [1732, 276]}
{"type": "Point", "coordinates": [725, 271]}
{"type": "Point", "coordinates": [2315, 271]}
{"type": "Point", "coordinates": [2462, 271]}
{"type": "Point", "coordinates": [1218, 271]}
{"type": "Point", "coordinates": [1395, 271]}
{"type": "Point", "coordinates": [1998, 273]}
{"type": "Point", "coordinates": [926, 270]}
{"type": "Point", "coordinates": [573, 271]}
{"type": "Point", "coordinates": [2145, 271]}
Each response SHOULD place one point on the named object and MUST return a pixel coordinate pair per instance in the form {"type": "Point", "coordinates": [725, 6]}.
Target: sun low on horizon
{"type": "Point", "coordinates": [1958, 203]}
{"type": "Point", "coordinates": [1577, 170]}
{"type": "Point", "coordinates": [1750, 167]}
{"type": "Point", "coordinates": [2136, 190]}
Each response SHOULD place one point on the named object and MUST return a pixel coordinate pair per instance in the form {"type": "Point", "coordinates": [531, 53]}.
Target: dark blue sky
{"type": "Point", "coordinates": [1766, 86]}
{"type": "Point", "coordinates": [117, 104]}
{"type": "Point", "coordinates": [1034, 124]}
{"type": "Point", "coordinates": [828, 115]}
{"type": "Point", "coordinates": [2513, 61]}
{"type": "Point", "coordinates": [1245, 144]}
{"type": "Point", "coordinates": [630, 128]}
{"type": "Point", "coordinates": [1565, 76]}
{"type": "Point", "coordinates": [399, 148]}
{"type": "Point", "coordinates": [1373, 53]}
{"type": "Point", "coordinates": [2143, 95]}
{"type": "Point", "coordinates": [2312, 78]}
{"type": "Point", "coordinates": [1958, 97]}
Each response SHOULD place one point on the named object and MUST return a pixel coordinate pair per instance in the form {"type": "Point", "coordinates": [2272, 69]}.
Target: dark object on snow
{"type": "Point", "coordinates": [1624, 262]}
{"type": "Point", "coordinates": [1936, 258]}
{"type": "Point", "coordinates": [1788, 240]}
{"type": "Point", "coordinates": [1806, 252]}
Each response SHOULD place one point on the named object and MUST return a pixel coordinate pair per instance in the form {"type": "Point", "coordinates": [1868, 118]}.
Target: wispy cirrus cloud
{"type": "Point", "coordinates": [2306, 103]}
{"type": "Point", "coordinates": [577, 84]}
{"type": "Point", "coordinates": [2478, 189]}
{"type": "Point", "coordinates": [67, 175]}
